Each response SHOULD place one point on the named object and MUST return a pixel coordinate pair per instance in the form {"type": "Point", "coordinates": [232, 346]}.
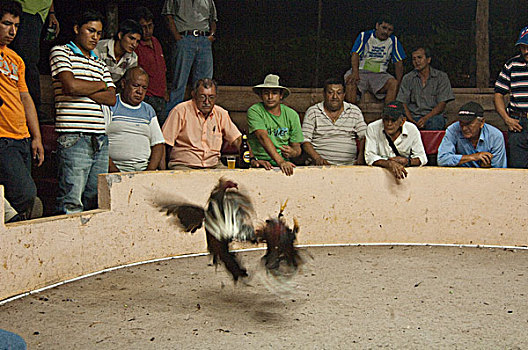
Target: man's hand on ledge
{"type": "Point", "coordinates": [261, 164]}
{"type": "Point", "coordinates": [397, 169]}
{"type": "Point", "coordinates": [287, 167]}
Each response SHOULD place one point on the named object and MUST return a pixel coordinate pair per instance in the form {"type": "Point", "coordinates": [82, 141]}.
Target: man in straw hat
{"type": "Point", "coordinates": [471, 142]}
{"type": "Point", "coordinates": [275, 133]}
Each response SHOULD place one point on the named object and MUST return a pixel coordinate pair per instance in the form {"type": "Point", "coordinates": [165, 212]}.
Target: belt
{"type": "Point", "coordinates": [518, 114]}
{"type": "Point", "coordinates": [195, 32]}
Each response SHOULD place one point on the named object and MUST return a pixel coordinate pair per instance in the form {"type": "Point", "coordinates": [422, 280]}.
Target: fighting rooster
{"type": "Point", "coordinates": [281, 256]}
{"type": "Point", "coordinates": [227, 217]}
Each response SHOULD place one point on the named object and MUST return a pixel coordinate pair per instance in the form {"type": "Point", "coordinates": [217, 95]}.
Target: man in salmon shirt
{"type": "Point", "coordinates": [20, 139]}
{"type": "Point", "coordinates": [195, 129]}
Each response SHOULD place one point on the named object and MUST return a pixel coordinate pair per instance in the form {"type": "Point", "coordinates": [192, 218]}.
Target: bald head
{"type": "Point", "coordinates": [134, 83]}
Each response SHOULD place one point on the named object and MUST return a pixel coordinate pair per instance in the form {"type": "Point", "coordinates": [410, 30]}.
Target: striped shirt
{"type": "Point", "coordinates": [335, 142]}
{"type": "Point", "coordinates": [513, 79]}
{"type": "Point", "coordinates": [77, 113]}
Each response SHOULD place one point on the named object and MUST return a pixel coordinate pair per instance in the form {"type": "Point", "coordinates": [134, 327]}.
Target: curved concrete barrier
{"type": "Point", "coordinates": [334, 205]}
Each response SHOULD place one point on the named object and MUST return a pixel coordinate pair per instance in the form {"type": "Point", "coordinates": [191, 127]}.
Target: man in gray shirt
{"type": "Point", "coordinates": [192, 24]}
{"type": "Point", "coordinates": [425, 93]}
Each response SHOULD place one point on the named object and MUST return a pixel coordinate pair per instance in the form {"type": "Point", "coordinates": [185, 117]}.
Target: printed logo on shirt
{"type": "Point", "coordinates": [9, 68]}
{"type": "Point", "coordinates": [377, 52]}
{"type": "Point", "coordinates": [279, 133]}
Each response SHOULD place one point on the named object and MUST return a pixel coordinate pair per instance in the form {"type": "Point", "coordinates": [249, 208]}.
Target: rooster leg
{"type": "Point", "coordinates": [220, 250]}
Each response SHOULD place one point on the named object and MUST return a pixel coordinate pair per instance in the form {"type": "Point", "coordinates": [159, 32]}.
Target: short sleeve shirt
{"type": "Point", "coordinates": [335, 142]}
{"type": "Point", "coordinates": [282, 130]}
{"type": "Point", "coordinates": [513, 79]}
{"type": "Point", "coordinates": [77, 113]}
{"type": "Point", "coordinates": [422, 99]}
{"type": "Point", "coordinates": [13, 123]}
{"type": "Point", "coordinates": [375, 54]}
{"type": "Point", "coordinates": [197, 141]}
{"type": "Point", "coordinates": [132, 132]}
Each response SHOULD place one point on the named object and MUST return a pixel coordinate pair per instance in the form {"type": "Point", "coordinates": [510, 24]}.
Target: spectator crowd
{"type": "Point", "coordinates": [115, 110]}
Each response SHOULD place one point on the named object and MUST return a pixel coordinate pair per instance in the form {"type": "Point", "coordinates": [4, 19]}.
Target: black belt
{"type": "Point", "coordinates": [195, 32]}
{"type": "Point", "coordinates": [518, 114]}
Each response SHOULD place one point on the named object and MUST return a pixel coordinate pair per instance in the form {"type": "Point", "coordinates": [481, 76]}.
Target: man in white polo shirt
{"type": "Point", "coordinates": [82, 84]}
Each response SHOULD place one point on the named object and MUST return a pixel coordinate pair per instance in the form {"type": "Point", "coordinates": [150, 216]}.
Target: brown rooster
{"type": "Point", "coordinates": [227, 217]}
{"type": "Point", "coordinates": [281, 256]}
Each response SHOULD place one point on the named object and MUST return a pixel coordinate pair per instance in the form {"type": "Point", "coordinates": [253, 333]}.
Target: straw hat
{"type": "Point", "coordinates": [271, 82]}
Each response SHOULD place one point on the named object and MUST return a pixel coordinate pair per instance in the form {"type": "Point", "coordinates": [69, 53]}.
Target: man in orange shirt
{"type": "Point", "coordinates": [20, 138]}
{"type": "Point", "coordinates": [195, 129]}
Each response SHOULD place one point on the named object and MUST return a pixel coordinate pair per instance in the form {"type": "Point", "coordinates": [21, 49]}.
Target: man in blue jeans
{"type": "Point", "coordinates": [20, 139]}
{"type": "Point", "coordinates": [192, 24]}
{"type": "Point", "coordinates": [83, 90]}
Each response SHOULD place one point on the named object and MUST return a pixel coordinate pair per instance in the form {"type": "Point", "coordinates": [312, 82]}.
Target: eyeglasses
{"type": "Point", "coordinates": [203, 98]}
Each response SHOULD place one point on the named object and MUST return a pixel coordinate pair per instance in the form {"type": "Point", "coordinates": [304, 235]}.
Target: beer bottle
{"type": "Point", "coordinates": [245, 158]}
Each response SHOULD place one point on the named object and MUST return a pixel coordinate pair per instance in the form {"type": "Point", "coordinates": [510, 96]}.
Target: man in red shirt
{"type": "Point", "coordinates": [150, 58]}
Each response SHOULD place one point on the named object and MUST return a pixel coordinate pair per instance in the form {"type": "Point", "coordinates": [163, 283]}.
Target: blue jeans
{"type": "Point", "coordinates": [436, 122]}
{"type": "Point", "coordinates": [15, 173]}
{"type": "Point", "coordinates": [192, 52]}
{"type": "Point", "coordinates": [81, 158]}
{"type": "Point", "coordinates": [158, 103]}
{"type": "Point", "coordinates": [11, 341]}
{"type": "Point", "coordinates": [518, 146]}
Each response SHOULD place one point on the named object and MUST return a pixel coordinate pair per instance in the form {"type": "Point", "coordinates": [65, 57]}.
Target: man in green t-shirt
{"type": "Point", "coordinates": [275, 133]}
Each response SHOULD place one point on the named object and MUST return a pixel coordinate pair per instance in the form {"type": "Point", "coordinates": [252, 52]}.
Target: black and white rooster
{"type": "Point", "coordinates": [227, 218]}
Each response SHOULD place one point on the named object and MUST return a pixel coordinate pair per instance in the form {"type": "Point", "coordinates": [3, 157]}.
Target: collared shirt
{"type": "Point", "coordinates": [152, 61]}
{"type": "Point", "coordinates": [422, 99]}
{"type": "Point", "coordinates": [13, 123]}
{"type": "Point", "coordinates": [335, 142]}
{"type": "Point", "coordinates": [513, 79]}
{"type": "Point", "coordinates": [408, 144]}
{"type": "Point", "coordinates": [454, 145]}
{"type": "Point", "coordinates": [197, 141]}
{"type": "Point", "coordinates": [191, 14]}
{"type": "Point", "coordinates": [77, 113]}
{"type": "Point", "coordinates": [105, 51]}
{"type": "Point", "coordinates": [375, 54]}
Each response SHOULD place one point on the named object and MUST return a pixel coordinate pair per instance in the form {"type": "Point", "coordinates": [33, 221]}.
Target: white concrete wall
{"type": "Point", "coordinates": [332, 205]}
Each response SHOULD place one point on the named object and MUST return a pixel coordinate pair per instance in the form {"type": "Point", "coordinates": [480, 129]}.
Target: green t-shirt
{"type": "Point", "coordinates": [282, 130]}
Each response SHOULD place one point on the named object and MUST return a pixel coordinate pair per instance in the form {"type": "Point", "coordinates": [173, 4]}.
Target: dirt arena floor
{"type": "Point", "coordinates": [344, 298]}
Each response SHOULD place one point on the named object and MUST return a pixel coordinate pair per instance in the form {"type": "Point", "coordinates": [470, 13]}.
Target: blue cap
{"type": "Point", "coordinates": [523, 37]}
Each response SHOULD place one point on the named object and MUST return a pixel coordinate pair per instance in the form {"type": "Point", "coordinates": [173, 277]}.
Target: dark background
{"type": "Point", "coordinates": [257, 37]}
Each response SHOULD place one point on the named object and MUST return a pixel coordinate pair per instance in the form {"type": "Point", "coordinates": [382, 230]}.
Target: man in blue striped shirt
{"type": "Point", "coordinates": [513, 80]}
{"type": "Point", "coordinates": [371, 54]}
{"type": "Point", "coordinates": [471, 142]}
